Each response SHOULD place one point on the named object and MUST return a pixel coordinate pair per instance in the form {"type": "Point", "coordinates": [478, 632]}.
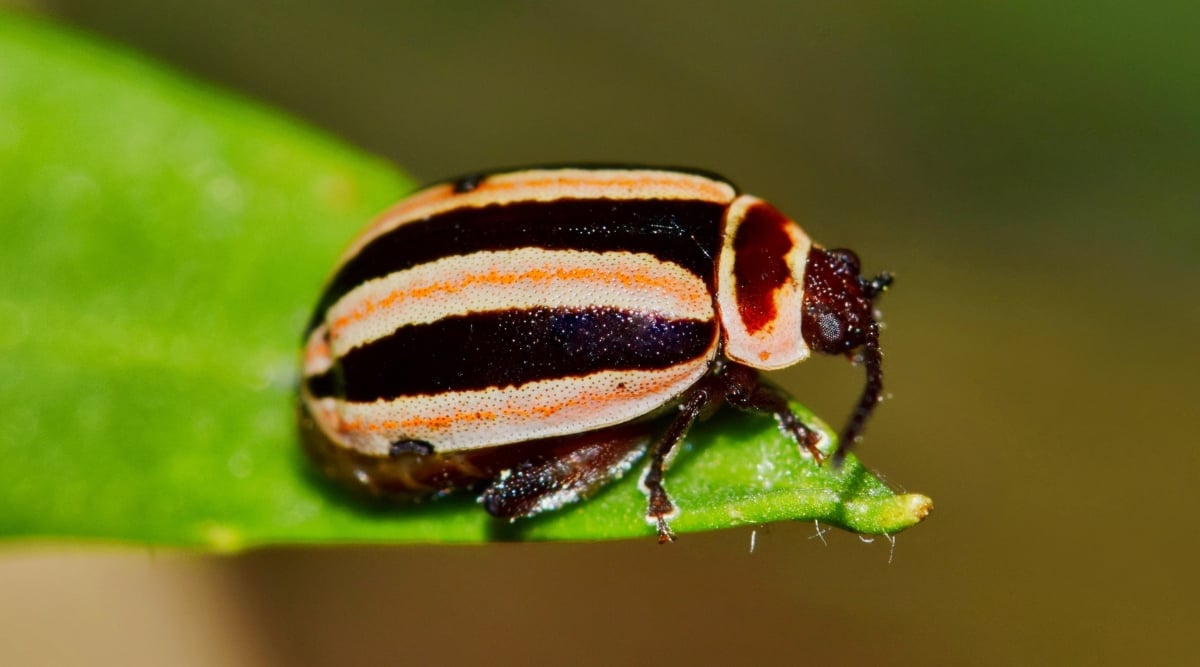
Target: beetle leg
{"type": "Point", "coordinates": [660, 508]}
{"type": "Point", "coordinates": [565, 471]}
{"type": "Point", "coordinates": [745, 391]}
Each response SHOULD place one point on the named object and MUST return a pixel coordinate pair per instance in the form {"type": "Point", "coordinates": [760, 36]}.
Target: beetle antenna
{"type": "Point", "coordinates": [872, 393]}
{"type": "Point", "coordinates": [877, 285]}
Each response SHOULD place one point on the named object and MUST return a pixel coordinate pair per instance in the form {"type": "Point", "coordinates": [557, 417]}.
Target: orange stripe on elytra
{"type": "Point", "coordinates": [443, 422]}
{"type": "Point", "coordinates": [493, 277]}
{"type": "Point", "coordinates": [317, 351]}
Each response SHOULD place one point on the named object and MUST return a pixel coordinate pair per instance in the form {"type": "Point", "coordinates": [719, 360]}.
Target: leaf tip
{"type": "Point", "coordinates": [892, 514]}
{"type": "Point", "coordinates": [919, 506]}
{"type": "Point", "coordinates": [906, 510]}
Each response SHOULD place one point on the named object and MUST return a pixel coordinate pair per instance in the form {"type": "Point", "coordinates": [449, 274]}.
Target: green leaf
{"type": "Point", "coordinates": [161, 245]}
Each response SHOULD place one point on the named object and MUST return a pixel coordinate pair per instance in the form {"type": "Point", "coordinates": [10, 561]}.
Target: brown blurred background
{"type": "Point", "coordinates": [1029, 171]}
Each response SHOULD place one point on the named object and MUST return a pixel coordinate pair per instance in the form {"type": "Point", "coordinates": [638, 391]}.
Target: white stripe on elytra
{"type": "Point", "coordinates": [317, 358]}
{"type": "Point", "coordinates": [464, 420]}
{"type": "Point", "coordinates": [515, 279]}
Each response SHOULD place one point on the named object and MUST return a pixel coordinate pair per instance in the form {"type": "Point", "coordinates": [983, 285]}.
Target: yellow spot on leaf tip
{"type": "Point", "coordinates": [906, 510]}
{"type": "Point", "coordinates": [919, 506]}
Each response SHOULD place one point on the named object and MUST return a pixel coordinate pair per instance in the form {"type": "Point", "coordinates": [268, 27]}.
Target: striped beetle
{"type": "Point", "coordinates": [532, 333]}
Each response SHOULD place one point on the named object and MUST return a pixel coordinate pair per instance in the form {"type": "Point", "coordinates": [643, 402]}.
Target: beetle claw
{"type": "Point", "coordinates": [659, 511]}
{"type": "Point", "coordinates": [665, 534]}
{"type": "Point", "coordinates": [808, 440]}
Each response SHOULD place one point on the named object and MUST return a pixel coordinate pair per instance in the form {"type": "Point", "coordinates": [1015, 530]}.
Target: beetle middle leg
{"type": "Point", "coordinates": [661, 509]}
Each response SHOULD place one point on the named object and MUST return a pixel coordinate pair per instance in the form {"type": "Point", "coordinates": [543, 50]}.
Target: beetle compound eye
{"type": "Point", "coordinates": [831, 327]}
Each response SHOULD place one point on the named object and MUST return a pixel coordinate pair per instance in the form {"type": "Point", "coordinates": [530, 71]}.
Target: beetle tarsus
{"type": "Point", "coordinates": [659, 507]}
{"type": "Point", "coordinates": [665, 534]}
{"type": "Point", "coordinates": [809, 439]}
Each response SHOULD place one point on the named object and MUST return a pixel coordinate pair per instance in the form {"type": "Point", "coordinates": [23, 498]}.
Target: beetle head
{"type": "Point", "coordinates": [839, 318]}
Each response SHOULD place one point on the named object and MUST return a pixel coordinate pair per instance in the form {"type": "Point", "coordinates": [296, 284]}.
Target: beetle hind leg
{"type": "Point", "coordinates": [565, 470]}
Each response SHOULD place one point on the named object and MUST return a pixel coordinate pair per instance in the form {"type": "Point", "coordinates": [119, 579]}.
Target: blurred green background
{"type": "Point", "coordinates": [1028, 170]}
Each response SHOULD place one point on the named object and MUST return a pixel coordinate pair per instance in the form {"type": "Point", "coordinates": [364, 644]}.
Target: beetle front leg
{"type": "Point", "coordinates": [744, 390]}
{"type": "Point", "coordinates": [660, 509]}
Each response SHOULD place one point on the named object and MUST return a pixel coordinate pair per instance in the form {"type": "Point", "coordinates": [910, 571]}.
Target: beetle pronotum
{"type": "Point", "coordinates": [532, 333]}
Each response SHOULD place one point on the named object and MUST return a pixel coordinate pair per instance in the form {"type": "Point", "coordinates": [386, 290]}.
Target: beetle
{"type": "Point", "coordinates": [530, 334]}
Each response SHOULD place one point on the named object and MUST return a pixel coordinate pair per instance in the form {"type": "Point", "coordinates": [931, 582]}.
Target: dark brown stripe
{"type": "Point", "coordinates": [321, 386]}
{"type": "Point", "coordinates": [685, 232]}
{"type": "Point", "coordinates": [513, 347]}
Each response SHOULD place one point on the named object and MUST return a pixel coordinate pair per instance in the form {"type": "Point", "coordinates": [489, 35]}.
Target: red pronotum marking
{"type": "Point", "coordinates": [760, 265]}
